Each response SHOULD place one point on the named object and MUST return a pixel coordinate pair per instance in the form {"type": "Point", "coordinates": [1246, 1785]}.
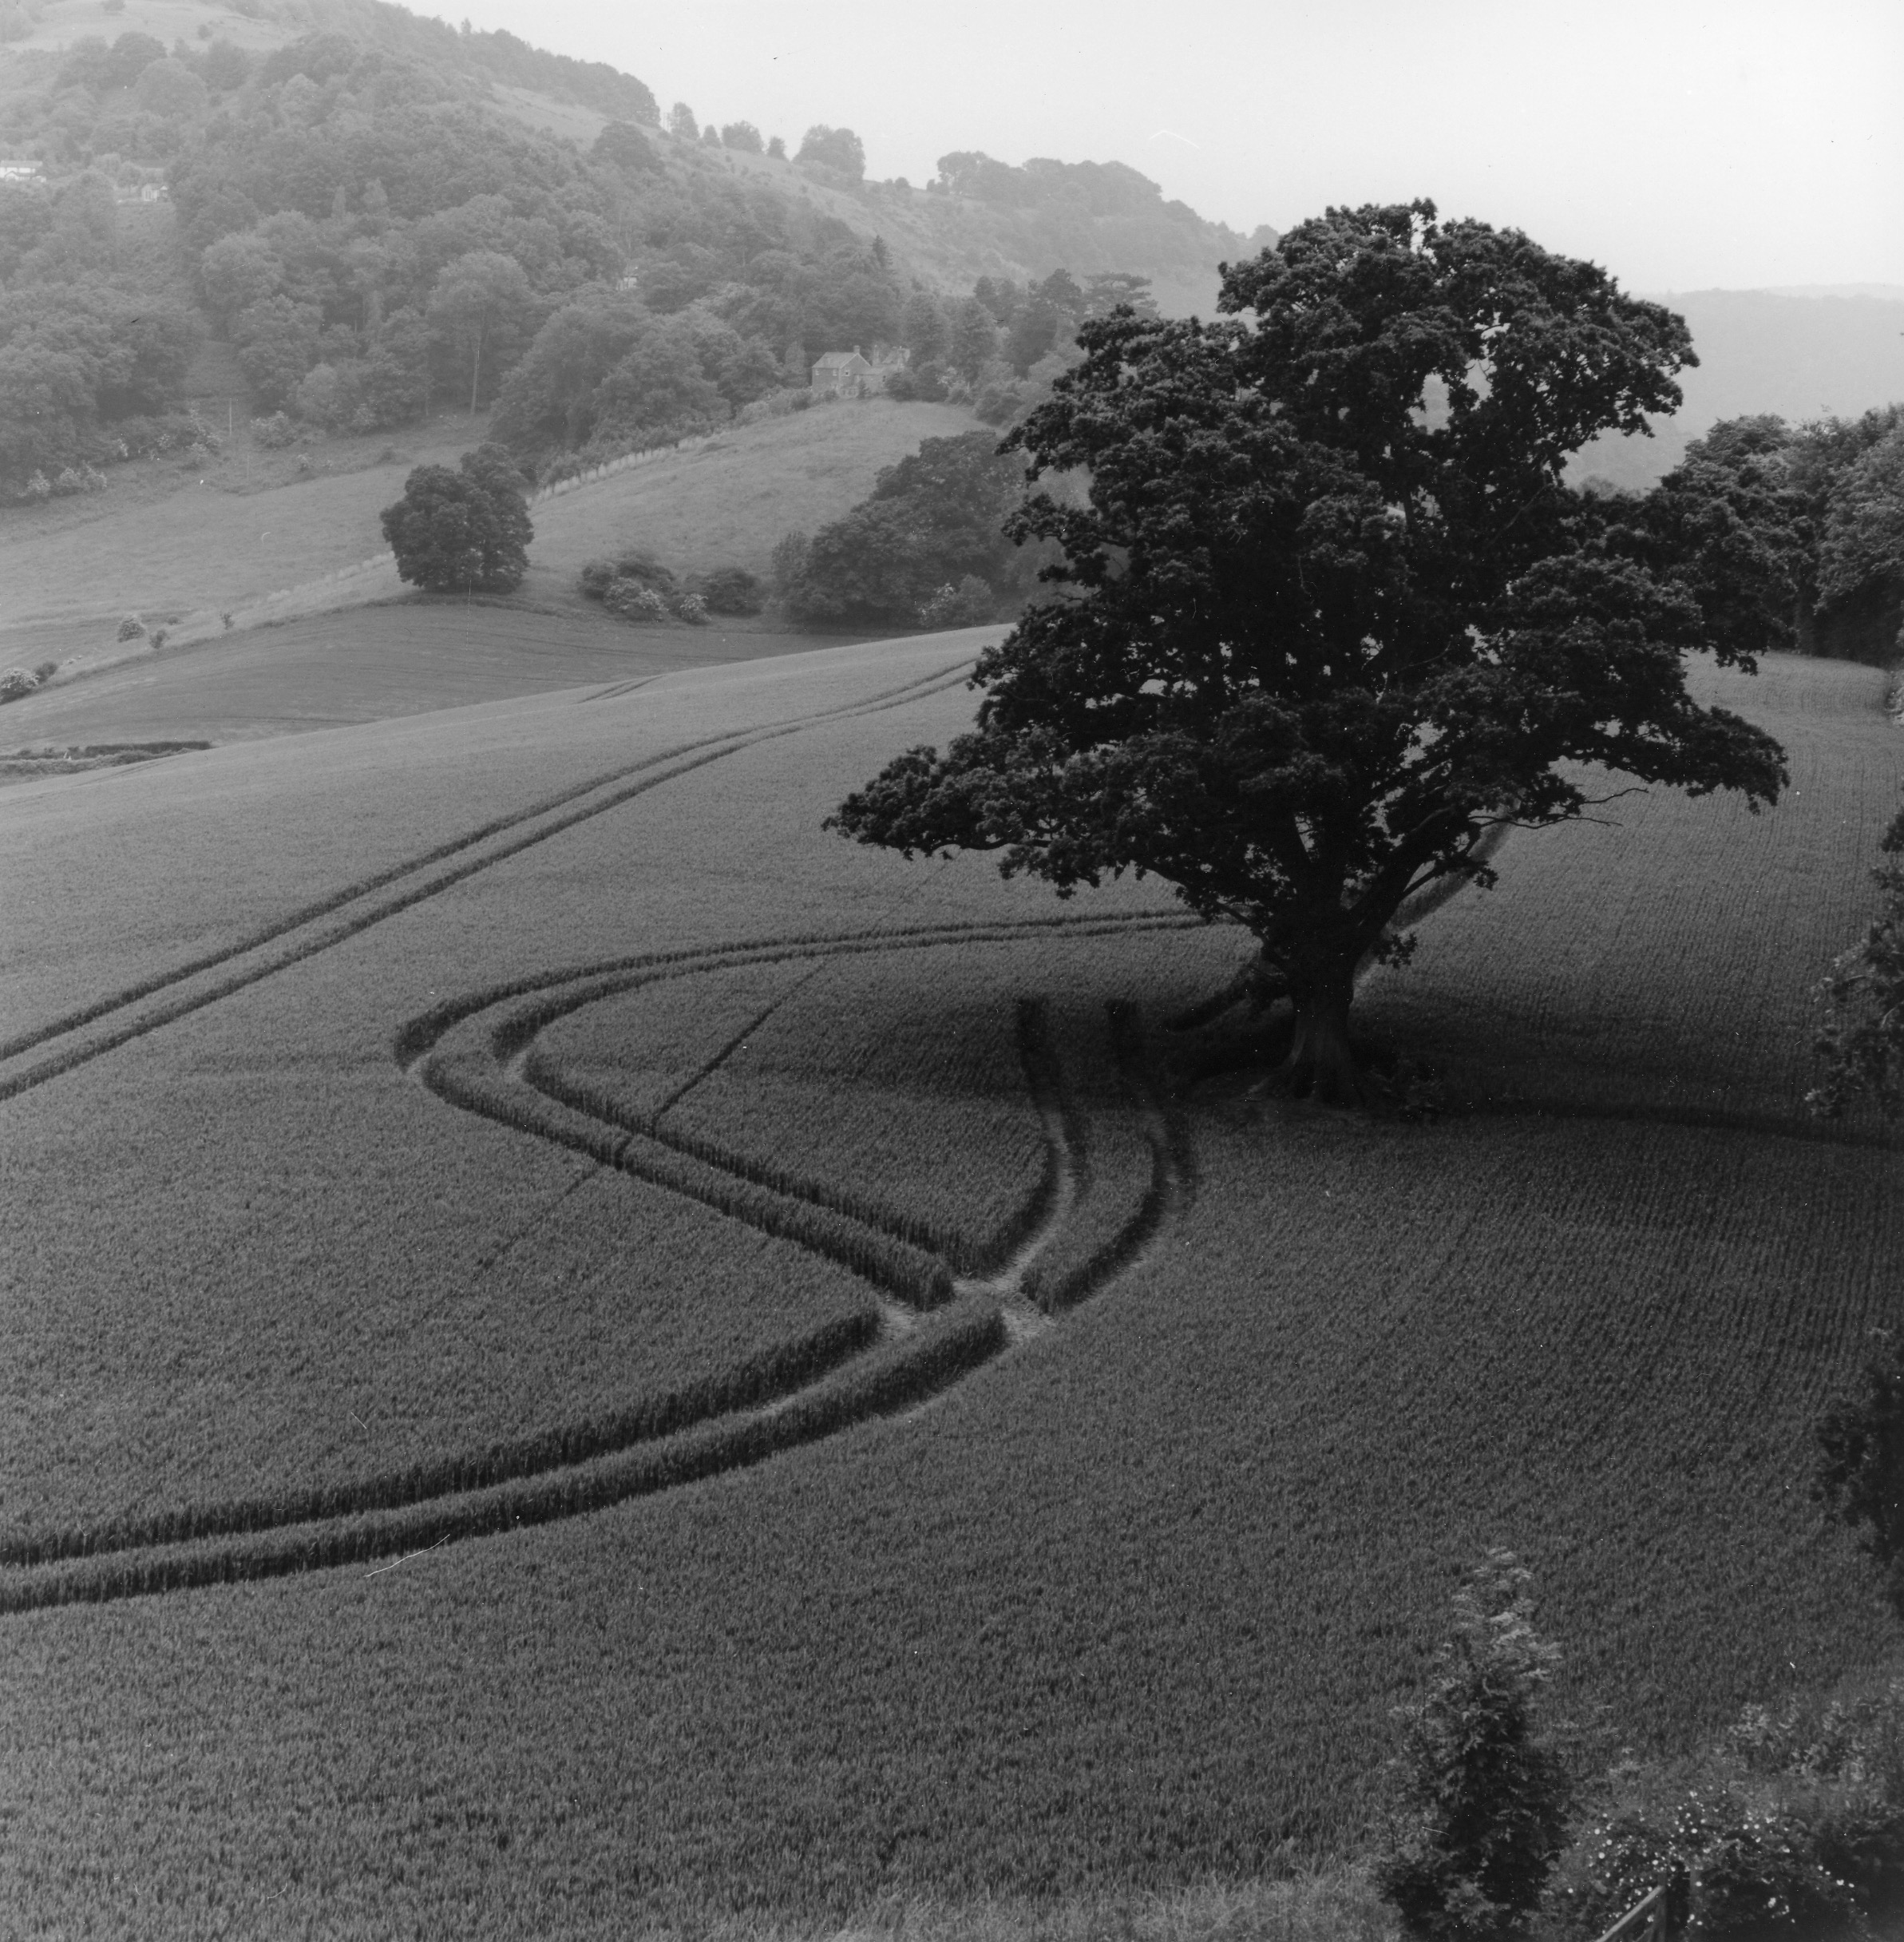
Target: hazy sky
{"type": "Point", "coordinates": [1749, 143]}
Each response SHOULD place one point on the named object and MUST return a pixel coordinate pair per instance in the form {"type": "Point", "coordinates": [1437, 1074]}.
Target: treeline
{"type": "Point", "coordinates": [91, 356]}
{"type": "Point", "coordinates": [371, 238]}
{"type": "Point", "coordinates": [1793, 534]}
{"type": "Point", "coordinates": [375, 238]}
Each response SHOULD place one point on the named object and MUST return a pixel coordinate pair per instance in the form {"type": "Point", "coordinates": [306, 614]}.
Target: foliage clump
{"type": "Point", "coordinates": [638, 588]}
{"type": "Point", "coordinates": [731, 589]}
{"type": "Point", "coordinates": [968, 604]}
{"type": "Point", "coordinates": [1860, 1476]}
{"type": "Point", "coordinates": [1791, 1828]}
{"type": "Point", "coordinates": [1860, 1044]}
{"type": "Point", "coordinates": [1795, 533]}
{"type": "Point", "coordinates": [1484, 1796]}
{"type": "Point", "coordinates": [936, 517]}
{"type": "Point", "coordinates": [464, 530]}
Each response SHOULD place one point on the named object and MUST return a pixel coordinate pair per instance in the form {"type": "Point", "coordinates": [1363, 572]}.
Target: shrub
{"type": "Point", "coordinates": [45, 670]}
{"type": "Point", "coordinates": [969, 604]}
{"type": "Point", "coordinates": [1861, 1437]}
{"type": "Point", "coordinates": [628, 599]}
{"type": "Point", "coordinates": [927, 382]}
{"type": "Point", "coordinates": [596, 578]}
{"type": "Point", "coordinates": [731, 589]}
{"type": "Point", "coordinates": [643, 566]}
{"type": "Point", "coordinates": [37, 488]}
{"type": "Point", "coordinates": [16, 683]}
{"type": "Point", "coordinates": [691, 608]}
{"type": "Point", "coordinates": [274, 432]}
{"type": "Point", "coordinates": [790, 556]}
{"type": "Point", "coordinates": [1483, 1800]}
{"type": "Point", "coordinates": [132, 627]}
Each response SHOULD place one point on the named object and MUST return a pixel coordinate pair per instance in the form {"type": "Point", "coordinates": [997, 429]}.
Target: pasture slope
{"type": "Point", "coordinates": [361, 648]}
{"type": "Point", "coordinates": [577, 1354]}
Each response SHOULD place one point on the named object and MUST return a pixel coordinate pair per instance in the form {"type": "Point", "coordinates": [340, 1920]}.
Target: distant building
{"type": "Point", "coordinates": [846, 374]}
{"type": "Point", "coordinates": [19, 171]}
{"type": "Point", "coordinates": [842, 374]}
{"type": "Point", "coordinates": [143, 191]}
{"type": "Point", "coordinates": [630, 281]}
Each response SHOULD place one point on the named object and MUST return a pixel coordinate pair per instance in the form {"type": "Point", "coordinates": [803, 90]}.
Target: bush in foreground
{"type": "Point", "coordinates": [1792, 1826]}
{"type": "Point", "coordinates": [1484, 1798]}
{"type": "Point", "coordinates": [470, 528]}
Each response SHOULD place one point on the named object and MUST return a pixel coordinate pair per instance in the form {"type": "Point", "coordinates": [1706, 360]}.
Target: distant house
{"type": "Point", "coordinates": [843, 374]}
{"type": "Point", "coordinates": [847, 374]}
{"type": "Point", "coordinates": [19, 171]}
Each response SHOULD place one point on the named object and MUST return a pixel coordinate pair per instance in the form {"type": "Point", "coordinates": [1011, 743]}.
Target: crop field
{"type": "Point", "coordinates": [576, 1352]}
{"type": "Point", "coordinates": [365, 665]}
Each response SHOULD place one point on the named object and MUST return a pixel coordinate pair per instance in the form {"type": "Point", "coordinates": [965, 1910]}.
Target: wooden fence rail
{"type": "Point", "coordinates": [1645, 1918]}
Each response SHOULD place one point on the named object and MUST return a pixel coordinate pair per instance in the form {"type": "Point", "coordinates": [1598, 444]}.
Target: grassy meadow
{"type": "Point", "coordinates": [580, 1356]}
{"type": "Point", "coordinates": [311, 651]}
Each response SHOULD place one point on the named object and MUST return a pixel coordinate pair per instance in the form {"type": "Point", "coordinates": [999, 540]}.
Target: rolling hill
{"type": "Point", "coordinates": [362, 647]}
{"type": "Point", "coordinates": [579, 1354]}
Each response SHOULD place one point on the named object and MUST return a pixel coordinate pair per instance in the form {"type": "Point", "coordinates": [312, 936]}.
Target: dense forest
{"type": "Point", "coordinates": [358, 215]}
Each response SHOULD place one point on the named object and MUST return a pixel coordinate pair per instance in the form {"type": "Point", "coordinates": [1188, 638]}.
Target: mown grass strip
{"type": "Point", "coordinates": [775, 1373]}
{"type": "Point", "coordinates": [905, 1372]}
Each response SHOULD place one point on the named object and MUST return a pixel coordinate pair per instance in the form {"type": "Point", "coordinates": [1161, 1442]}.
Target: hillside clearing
{"type": "Point", "coordinates": [1125, 1608]}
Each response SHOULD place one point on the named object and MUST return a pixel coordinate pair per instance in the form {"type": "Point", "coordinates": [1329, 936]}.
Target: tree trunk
{"type": "Point", "coordinates": [1321, 1064]}
{"type": "Point", "coordinates": [476, 372]}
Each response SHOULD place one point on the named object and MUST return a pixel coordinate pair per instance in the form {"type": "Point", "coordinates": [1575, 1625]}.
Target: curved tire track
{"type": "Point", "coordinates": [929, 1331]}
{"type": "Point", "coordinates": [302, 933]}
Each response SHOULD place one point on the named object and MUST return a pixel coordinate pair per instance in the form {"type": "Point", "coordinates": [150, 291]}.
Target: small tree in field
{"type": "Point", "coordinates": [1484, 1801]}
{"type": "Point", "coordinates": [1331, 612]}
{"type": "Point", "coordinates": [469, 529]}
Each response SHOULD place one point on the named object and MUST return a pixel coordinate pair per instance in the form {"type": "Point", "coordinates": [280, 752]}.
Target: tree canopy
{"type": "Point", "coordinates": [453, 531]}
{"type": "Point", "coordinates": [1330, 615]}
{"type": "Point", "coordinates": [936, 517]}
{"type": "Point", "coordinates": [1795, 533]}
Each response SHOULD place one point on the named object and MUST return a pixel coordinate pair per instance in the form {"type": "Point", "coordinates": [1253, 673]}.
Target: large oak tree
{"type": "Point", "coordinates": [1330, 615]}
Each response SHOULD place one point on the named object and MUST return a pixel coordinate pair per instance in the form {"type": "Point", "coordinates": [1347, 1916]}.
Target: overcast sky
{"type": "Point", "coordinates": [1749, 144]}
